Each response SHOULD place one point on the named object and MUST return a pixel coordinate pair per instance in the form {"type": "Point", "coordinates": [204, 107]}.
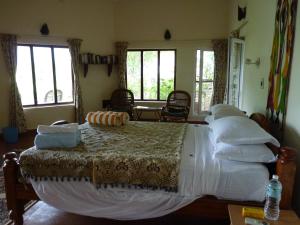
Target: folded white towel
{"type": "Point", "coordinates": [66, 128]}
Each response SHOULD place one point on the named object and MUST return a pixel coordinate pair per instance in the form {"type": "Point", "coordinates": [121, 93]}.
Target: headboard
{"type": "Point", "coordinates": [285, 167]}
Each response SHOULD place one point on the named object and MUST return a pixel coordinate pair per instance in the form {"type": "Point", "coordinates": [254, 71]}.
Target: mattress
{"type": "Point", "coordinates": [199, 175]}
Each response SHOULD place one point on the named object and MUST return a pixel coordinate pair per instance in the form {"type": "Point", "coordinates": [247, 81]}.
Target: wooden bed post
{"type": "Point", "coordinates": [14, 205]}
{"type": "Point", "coordinates": [286, 170]}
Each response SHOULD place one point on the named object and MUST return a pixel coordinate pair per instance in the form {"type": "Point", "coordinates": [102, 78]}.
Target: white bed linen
{"type": "Point", "coordinates": [199, 175]}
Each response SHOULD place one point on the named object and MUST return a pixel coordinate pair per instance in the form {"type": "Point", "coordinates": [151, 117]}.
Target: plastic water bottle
{"type": "Point", "coordinates": [273, 196]}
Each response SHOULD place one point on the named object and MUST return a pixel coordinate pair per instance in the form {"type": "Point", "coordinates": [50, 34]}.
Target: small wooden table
{"type": "Point", "coordinates": [140, 109]}
{"type": "Point", "coordinates": [287, 217]}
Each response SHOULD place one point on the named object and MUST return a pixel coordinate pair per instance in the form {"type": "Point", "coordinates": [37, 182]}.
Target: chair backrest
{"type": "Point", "coordinates": [122, 99]}
{"type": "Point", "coordinates": [179, 99]}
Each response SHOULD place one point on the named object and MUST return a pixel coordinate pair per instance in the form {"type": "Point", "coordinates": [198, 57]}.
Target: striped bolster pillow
{"type": "Point", "coordinates": [107, 118]}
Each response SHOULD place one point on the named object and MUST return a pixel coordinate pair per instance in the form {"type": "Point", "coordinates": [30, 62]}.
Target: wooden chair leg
{"type": "Point", "coordinates": [14, 205]}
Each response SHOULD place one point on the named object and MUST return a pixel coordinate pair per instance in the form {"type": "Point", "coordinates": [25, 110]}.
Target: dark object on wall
{"type": "Point", "coordinates": [242, 13]}
{"type": "Point", "coordinates": [44, 29]}
{"type": "Point", "coordinates": [167, 35]}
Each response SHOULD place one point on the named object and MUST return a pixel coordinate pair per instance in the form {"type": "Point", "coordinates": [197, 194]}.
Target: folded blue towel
{"type": "Point", "coordinates": [57, 140]}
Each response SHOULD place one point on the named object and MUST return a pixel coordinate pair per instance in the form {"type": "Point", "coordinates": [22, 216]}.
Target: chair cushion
{"type": "Point", "coordinates": [174, 109]}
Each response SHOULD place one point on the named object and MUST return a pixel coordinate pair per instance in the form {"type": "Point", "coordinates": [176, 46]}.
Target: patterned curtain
{"type": "Point", "coordinates": [16, 113]}
{"type": "Point", "coordinates": [220, 48]}
{"type": "Point", "coordinates": [74, 47]}
{"type": "Point", "coordinates": [282, 51]}
{"type": "Point", "coordinates": [121, 51]}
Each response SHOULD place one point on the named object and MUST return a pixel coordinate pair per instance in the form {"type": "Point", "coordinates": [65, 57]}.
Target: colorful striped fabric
{"type": "Point", "coordinates": [282, 50]}
{"type": "Point", "coordinates": [107, 118]}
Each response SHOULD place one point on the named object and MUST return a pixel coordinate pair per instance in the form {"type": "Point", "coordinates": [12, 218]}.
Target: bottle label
{"type": "Point", "coordinates": [274, 193]}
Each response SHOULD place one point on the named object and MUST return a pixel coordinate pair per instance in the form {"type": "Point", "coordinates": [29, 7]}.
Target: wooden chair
{"type": "Point", "coordinates": [122, 100]}
{"type": "Point", "coordinates": [177, 106]}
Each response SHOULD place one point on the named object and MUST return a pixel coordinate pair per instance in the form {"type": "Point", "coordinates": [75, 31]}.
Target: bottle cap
{"type": "Point", "coordinates": [275, 177]}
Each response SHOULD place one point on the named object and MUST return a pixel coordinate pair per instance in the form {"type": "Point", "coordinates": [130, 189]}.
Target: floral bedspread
{"type": "Point", "coordinates": [140, 155]}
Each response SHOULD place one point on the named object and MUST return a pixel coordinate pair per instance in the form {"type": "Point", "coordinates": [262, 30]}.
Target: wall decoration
{"type": "Point", "coordinates": [281, 60]}
{"type": "Point", "coordinates": [167, 35]}
{"type": "Point", "coordinates": [242, 13]}
{"type": "Point", "coordinates": [44, 29]}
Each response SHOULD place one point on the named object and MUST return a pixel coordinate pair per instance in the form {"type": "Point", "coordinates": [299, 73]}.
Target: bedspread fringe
{"type": "Point", "coordinates": [99, 186]}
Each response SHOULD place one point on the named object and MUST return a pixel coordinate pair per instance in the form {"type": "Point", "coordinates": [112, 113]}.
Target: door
{"type": "Point", "coordinates": [235, 73]}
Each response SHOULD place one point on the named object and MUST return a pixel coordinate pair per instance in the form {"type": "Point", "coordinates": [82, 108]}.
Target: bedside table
{"type": "Point", "coordinates": [287, 217]}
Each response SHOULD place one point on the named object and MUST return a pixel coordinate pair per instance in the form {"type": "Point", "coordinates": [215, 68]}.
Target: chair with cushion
{"type": "Point", "coordinates": [177, 106]}
{"type": "Point", "coordinates": [122, 100]}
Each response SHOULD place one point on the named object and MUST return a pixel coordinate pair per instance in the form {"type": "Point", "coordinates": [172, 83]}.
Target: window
{"type": "Point", "coordinates": [151, 73]}
{"type": "Point", "coordinates": [204, 82]}
{"type": "Point", "coordinates": [44, 75]}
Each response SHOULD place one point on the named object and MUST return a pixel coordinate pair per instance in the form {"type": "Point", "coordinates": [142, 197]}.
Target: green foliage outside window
{"type": "Point", "coordinates": [150, 83]}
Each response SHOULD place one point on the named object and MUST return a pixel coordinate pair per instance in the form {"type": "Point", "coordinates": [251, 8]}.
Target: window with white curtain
{"type": "Point", "coordinates": [204, 81]}
{"type": "Point", "coordinates": [44, 75]}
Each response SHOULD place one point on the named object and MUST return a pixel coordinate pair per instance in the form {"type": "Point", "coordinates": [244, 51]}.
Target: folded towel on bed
{"type": "Point", "coordinates": [66, 128]}
{"type": "Point", "coordinates": [57, 140]}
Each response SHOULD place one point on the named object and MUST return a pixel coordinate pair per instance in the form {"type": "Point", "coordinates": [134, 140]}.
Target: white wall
{"type": "Point", "coordinates": [259, 37]}
{"type": "Point", "coordinates": [187, 20]}
{"type": "Point", "coordinates": [90, 20]}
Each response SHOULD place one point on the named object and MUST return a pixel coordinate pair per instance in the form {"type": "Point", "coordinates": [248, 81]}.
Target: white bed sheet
{"type": "Point", "coordinates": [199, 175]}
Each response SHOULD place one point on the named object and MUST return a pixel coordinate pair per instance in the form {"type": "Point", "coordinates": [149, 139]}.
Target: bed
{"type": "Point", "coordinates": [196, 196]}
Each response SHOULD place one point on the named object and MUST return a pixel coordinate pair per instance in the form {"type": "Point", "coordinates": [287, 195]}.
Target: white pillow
{"type": "Point", "coordinates": [222, 107]}
{"type": "Point", "coordinates": [237, 130]}
{"type": "Point", "coordinates": [224, 113]}
{"type": "Point", "coordinates": [209, 119]}
{"type": "Point", "coordinates": [244, 153]}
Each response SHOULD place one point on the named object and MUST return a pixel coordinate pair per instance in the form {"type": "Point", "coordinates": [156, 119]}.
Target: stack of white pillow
{"type": "Point", "coordinates": [239, 138]}
{"type": "Point", "coordinates": [223, 110]}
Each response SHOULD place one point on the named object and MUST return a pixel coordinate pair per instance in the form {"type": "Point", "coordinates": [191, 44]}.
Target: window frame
{"type": "Point", "coordinates": [36, 104]}
{"type": "Point", "coordinates": [201, 81]}
{"type": "Point", "coordinates": [158, 72]}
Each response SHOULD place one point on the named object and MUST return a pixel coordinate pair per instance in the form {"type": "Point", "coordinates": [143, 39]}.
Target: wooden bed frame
{"type": "Point", "coordinates": [19, 193]}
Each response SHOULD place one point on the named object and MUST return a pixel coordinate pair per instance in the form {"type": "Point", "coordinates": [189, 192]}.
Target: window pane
{"type": "Point", "coordinates": [150, 74]}
{"type": "Point", "coordinates": [134, 73]}
{"type": "Point", "coordinates": [207, 90]}
{"type": "Point", "coordinates": [196, 100]}
{"type": "Point", "coordinates": [64, 78]}
{"type": "Point", "coordinates": [167, 71]}
{"type": "Point", "coordinates": [43, 74]}
{"type": "Point", "coordinates": [208, 65]}
{"type": "Point", "coordinates": [24, 75]}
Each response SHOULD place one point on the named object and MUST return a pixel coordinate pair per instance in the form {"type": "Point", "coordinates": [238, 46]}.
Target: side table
{"type": "Point", "coordinates": [139, 110]}
{"type": "Point", "coordinates": [287, 217]}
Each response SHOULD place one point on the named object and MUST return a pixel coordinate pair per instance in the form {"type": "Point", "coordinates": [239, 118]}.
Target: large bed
{"type": "Point", "coordinates": [205, 185]}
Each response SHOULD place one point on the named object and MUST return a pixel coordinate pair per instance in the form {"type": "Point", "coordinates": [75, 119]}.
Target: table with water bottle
{"type": "Point", "coordinates": [270, 214]}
